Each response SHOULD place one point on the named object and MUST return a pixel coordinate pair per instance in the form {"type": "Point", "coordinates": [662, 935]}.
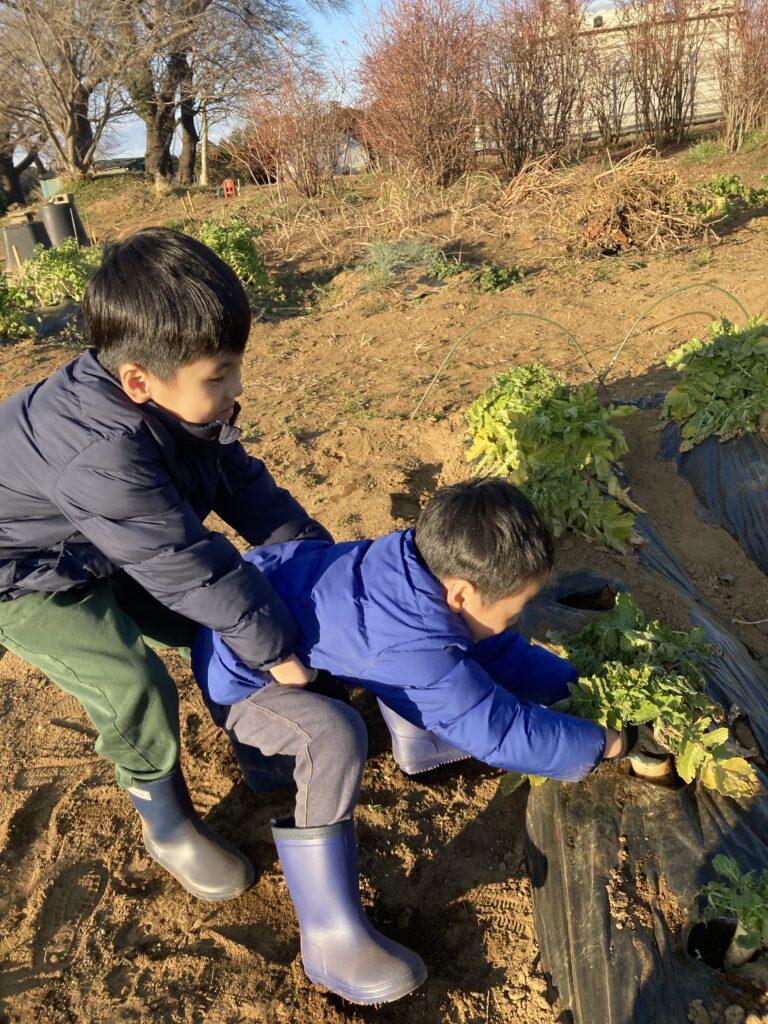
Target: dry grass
{"type": "Point", "coordinates": [538, 181]}
{"type": "Point", "coordinates": [341, 224]}
{"type": "Point", "coordinates": [639, 203]}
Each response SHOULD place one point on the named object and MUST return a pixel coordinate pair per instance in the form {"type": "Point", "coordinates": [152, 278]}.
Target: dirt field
{"type": "Point", "coordinates": [92, 931]}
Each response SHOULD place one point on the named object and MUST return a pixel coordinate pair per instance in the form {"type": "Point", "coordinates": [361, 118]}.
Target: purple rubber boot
{"type": "Point", "coordinates": [417, 750]}
{"type": "Point", "coordinates": [340, 948]}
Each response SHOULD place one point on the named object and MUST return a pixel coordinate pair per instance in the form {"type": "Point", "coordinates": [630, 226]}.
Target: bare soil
{"type": "Point", "coordinates": [92, 930]}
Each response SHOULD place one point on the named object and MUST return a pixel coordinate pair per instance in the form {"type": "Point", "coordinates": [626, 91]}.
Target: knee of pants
{"type": "Point", "coordinates": [344, 736]}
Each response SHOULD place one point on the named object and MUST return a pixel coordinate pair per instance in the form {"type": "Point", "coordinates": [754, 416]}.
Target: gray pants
{"type": "Point", "coordinates": [327, 738]}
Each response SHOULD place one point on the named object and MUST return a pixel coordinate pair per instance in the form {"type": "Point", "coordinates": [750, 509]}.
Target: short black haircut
{"type": "Point", "coordinates": [162, 299]}
{"type": "Point", "coordinates": [486, 531]}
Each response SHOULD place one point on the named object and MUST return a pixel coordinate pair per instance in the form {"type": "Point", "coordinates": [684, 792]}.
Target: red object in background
{"type": "Point", "coordinates": [228, 188]}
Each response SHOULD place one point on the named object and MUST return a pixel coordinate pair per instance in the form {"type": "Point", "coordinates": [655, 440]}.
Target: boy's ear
{"type": "Point", "coordinates": [458, 592]}
{"type": "Point", "coordinates": [135, 381]}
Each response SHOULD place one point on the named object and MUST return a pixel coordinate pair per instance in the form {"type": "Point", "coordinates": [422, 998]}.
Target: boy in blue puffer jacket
{"type": "Point", "coordinates": [110, 467]}
{"type": "Point", "coordinates": [421, 618]}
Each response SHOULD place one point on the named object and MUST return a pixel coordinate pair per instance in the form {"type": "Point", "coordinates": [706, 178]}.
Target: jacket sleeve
{"type": "Point", "coordinates": [464, 706]}
{"type": "Point", "coordinates": [527, 670]}
{"type": "Point", "coordinates": [119, 495]}
{"type": "Point", "coordinates": [250, 501]}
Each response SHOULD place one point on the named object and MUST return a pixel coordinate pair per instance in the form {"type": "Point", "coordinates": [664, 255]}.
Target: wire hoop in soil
{"type": "Point", "coordinates": [600, 376]}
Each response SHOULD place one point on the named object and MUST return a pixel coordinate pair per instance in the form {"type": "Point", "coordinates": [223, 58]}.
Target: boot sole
{"type": "Point", "coordinates": [384, 995]}
{"type": "Point", "coordinates": [419, 767]}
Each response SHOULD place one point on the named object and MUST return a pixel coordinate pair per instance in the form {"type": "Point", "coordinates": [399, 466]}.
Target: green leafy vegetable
{"type": "Point", "coordinates": [724, 383]}
{"type": "Point", "coordinates": [636, 672]}
{"type": "Point", "coordinates": [235, 243]}
{"type": "Point", "coordinates": [741, 896]}
{"type": "Point", "coordinates": [559, 445]}
{"type": "Point", "coordinates": [15, 305]}
{"type": "Point", "coordinates": [61, 272]}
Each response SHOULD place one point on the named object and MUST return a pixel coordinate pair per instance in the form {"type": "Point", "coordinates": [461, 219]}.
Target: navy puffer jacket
{"type": "Point", "coordinates": [91, 482]}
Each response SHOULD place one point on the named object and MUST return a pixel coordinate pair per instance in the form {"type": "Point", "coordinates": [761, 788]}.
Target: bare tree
{"type": "Point", "coordinates": [187, 59]}
{"type": "Point", "coordinates": [420, 73]}
{"type": "Point", "coordinates": [535, 74]}
{"type": "Point", "coordinates": [292, 131]}
{"type": "Point", "coordinates": [608, 85]}
{"type": "Point", "coordinates": [741, 58]}
{"type": "Point", "coordinates": [60, 57]}
{"type": "Point", "coordinates": [663, 42]}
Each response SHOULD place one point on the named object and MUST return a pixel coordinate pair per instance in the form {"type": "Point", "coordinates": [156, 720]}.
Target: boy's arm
{"type": "Point", "coordinates": [527, 670]}
{"type": "Point", "coordinates": [119, 495]}
{"type": "Point", "coordinates": [250, 501]}
{"type": "Point", "coordinates": [465, 707]}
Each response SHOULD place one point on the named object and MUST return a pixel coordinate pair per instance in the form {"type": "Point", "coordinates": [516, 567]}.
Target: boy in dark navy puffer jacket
{"type": "Point", "coordinates": [110, 467]}
{"type": "Point", "coordinates": [421, 619]}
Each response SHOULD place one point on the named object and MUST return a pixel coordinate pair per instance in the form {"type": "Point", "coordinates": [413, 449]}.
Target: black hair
{"type": "Point", "coordinates": [162, 299]}
{"type": "Point", "coordinates": [486, 531]}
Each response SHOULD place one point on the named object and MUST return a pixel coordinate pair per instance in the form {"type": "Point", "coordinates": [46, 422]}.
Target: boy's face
{"type": "Point", "coordinates": [486, 620]}
{"type": "Point", "coordinates": [200, 392]}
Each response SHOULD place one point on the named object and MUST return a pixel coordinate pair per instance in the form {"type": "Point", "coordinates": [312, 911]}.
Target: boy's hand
{"type": "Point", "coordinates": [293, 672]}
{"type": "Point", "coordinates": [634, 739]}
{"type": "Point", "coordinates": [613, 745]}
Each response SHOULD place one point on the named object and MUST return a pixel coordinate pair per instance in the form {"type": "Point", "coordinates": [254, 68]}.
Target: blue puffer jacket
{"type": "Point", "coordinates": [93, 482]}
{"type": "Point", "coordinates": [373, 615]}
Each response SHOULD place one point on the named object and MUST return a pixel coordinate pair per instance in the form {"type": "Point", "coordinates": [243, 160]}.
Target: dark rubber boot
{"type": "Point", "coordinates": [260, 772]}
{"type": "Point", "coordinates": [417, 750]}
{"type": "Point", "coordinates": [339, 946]}
{"type": "Point", "coordinates": [205, 864]}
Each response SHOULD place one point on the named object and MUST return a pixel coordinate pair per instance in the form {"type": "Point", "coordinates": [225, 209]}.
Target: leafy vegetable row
{"type": "Point", "coordinates": [635, 672]}
{"type": "Point", "coordinates": [559, 445]}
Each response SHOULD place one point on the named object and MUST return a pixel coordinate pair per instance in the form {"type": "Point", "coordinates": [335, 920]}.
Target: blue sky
{"type": "Point", "coordinates": [340, 33]}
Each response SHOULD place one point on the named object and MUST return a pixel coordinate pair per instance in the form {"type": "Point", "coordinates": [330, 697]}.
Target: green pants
{"type": "Point", "coordinates": [92, 642]}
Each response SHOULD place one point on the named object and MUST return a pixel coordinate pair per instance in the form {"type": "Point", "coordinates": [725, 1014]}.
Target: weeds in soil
{"type": "Point", "coordinates": [755, 140]}
{"type": "Point", "coordinates": [492, 277]}
{"type": "Point", "coordinates": [703, 150]}
{"type": "Point", "coordinates": [444, 266]}
{"type": "Point", "coordinates": [251, 432]}
{"type": "Point", "coordinates": [701, 259]}
{"type": "Point", "coordinates": [386, 260]}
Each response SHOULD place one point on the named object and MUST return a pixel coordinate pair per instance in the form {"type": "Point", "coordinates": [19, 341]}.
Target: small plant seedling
{"type": "Point", "coordinates": [742, 897]}
{"type": "Point", "coordinates": [442, 266]}
{"type": "Point", "coordinates": [387, 259]}
{"type": "Point", "coordinates": [492, 277]}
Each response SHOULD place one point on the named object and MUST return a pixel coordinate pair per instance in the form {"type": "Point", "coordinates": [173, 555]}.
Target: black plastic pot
{"type": "Point", "coordinates": [20, 241]}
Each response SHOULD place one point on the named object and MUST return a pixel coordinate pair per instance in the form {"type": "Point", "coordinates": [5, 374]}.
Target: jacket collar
{"type": "Point", "coordinates": [429, 593]}
{"type": "Point", "coordinates": [92, 372]}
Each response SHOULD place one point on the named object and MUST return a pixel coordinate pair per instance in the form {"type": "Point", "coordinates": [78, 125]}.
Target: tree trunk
{"type": "Point", "coordinates": [78, 145]}
{"type": "Point", "coordinates": [203, 144]}
{"type": "Point", "coordinates": [156, 106]}
{"type": "Point", "coordinates": [189, 136]}
{"type": "Point", "coordinates": [10, 174]}
{"type": "Point", "coordinates": [158, 154]}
